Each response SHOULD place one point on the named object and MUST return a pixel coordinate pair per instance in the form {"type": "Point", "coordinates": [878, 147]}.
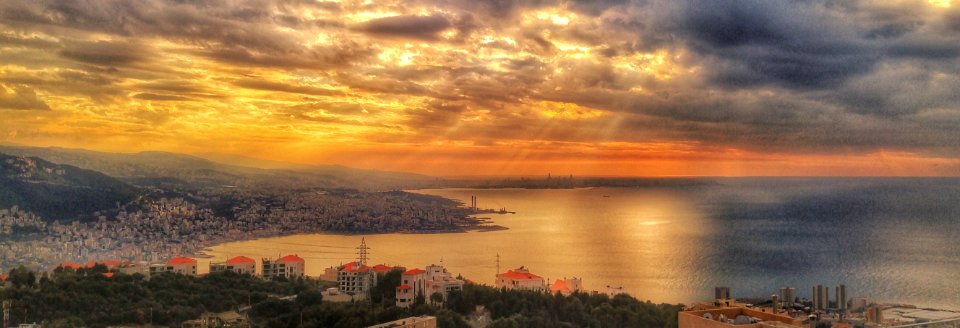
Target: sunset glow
{"type": "Point", "coordinates": [459, 88]}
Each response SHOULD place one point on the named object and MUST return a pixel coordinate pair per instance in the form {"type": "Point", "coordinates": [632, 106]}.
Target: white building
{"type": "Point", "coordinates": [417, 282]}
{"type": "Point", "coordinates": [521, 279]}
{"type": "Point", "coordinates": [355, 278]}
{"type": "Point", "coordinates": [411, 322]}
{"type": "Point", "coordinates": [179, 264]}
{"type": "Point", "coordinates": [439, 280]}
{"type": "Point", "coordinates": [239, 264]}
{"type": "Point", "coordinates": [412, 284]}
{"type": "Point", "coordinates": [290, 266]}
{"type": "Point", "coordinates": [567, 286]}
{"type": "Point", "coordinates": [141, 267]}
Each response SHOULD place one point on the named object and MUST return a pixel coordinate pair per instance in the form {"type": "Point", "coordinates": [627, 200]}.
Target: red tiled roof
{"type": "Point", "coordinates": [518, 275]}
{"type": "Point", "coordinates": [180, 260]}
{"type": "Point", "coordinates": [70, 265]}
{"type": "Point", "coordinates": [559, 286]}
{"type": "Point", "coordinates": [241, 260]}
{"type": "Point", "coordinates": [290, 258]}
{"type": "Point", "coordinates": [108, 274]}
{"type": "Point", "coordinates": [382, 268]}
{"type": "Point", "coordinates": [3, 278]}
{"type": "Point", "coordinates": [355, 267]}
{"type": "Point", "coordinates": [413, 272]}
{"type": "Point", "coordinates": [404, 287]}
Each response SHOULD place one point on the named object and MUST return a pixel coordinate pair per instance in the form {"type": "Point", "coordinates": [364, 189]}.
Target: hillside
{"type": "Point", "coordinates": [58, 192]}
{"type": "Point", "coordinates": [151, 168]}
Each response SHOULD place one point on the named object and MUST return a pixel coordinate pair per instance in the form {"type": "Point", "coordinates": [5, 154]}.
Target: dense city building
{"type": "Point", "coordinates": [788, 295]}
{"type": "Point", "coordinates": [859, 303]}
{"type": "Point", "coordinates": [735, 316]}
{"type": "Point", "coordinates": [841, 294]}
{"type": "Point", "coordinates": [874, 314]}
{"type": "Point", "coordinates": [820, 297]}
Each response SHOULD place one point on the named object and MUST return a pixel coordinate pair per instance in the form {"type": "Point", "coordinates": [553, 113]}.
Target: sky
{"type": "Point", "coordinates": [500, 87]}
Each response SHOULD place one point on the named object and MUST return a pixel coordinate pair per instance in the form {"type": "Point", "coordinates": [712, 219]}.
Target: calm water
{"type": "Point", "coordinates": [886, 239]}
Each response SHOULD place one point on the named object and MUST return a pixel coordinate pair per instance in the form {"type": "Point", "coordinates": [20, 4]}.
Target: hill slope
{"type": "Point", "coordinates": [151, 167]}
{"type": "Point", "coordinates": [58, 192]}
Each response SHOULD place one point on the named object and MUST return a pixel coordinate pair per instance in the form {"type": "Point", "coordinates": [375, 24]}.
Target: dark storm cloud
{"type": "Point", "coordinates": [803, 45]}
{"type": "Point", "coordinates": [18, 97]}
{"type": "Point", "coordinates": [105, 53]}
{"type": "Point", "coordinates": [924, 50]}
{"type": "Point", "coordinates": [773, 75]}
{"type": "Point", "coordinates": [890, 31]}
{"type": "Point", "coordinates": [764, 42]}
{"type": "Point", "coordinates": [417, 27]}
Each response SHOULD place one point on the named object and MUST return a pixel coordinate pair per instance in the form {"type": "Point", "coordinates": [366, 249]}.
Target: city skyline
{"type": "Point", "coordinates": [455, 88]}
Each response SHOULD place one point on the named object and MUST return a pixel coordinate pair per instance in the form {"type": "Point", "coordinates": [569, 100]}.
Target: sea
{"type": "Point", "coordinates": [893, 240]}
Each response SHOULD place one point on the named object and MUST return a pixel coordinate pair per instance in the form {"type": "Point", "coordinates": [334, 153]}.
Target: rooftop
{"type": "Point", "coordinates": [519, 275]}
{"type": "Point", "coordinates": [240, 260]}
{"type": "Point", "coordinates": [737, 317]}
{"type": "Point", "coordinates": [181, 260]}
{"type": "Point", "coordinates": [560, 286]}
{"type": "Point", "coordinates": [355, 267]}
{"type": "Point", "coordinates": [290, 258]}
{"type": "Point", "coordinates": [382, 268]}
{"type": "Point", "coordinates": [407, 322]}
{"type": "Point", "coordinates": [413, 272]}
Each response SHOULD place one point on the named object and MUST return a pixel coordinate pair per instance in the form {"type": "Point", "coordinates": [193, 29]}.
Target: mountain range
{"type": "Point", "coordinates": [218, 170]}
{"type": "Point", "coordinates": [67, 184]}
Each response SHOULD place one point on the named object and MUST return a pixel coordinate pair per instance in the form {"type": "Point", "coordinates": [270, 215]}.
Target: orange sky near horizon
{"type": "Point", "coordinates": [458, 88]}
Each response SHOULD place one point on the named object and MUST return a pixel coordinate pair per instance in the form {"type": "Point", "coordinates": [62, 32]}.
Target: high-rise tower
{"type": "Point", "coordinates": [788, 296]}
{"type": "Point", "coordinates": [841, 294]}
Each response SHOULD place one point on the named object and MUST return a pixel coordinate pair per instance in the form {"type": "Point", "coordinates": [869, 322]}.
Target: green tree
{"type": "Point", "coordinates": [386, 289]}
{"type": "Point", "coordinates": [436, 298]}
{"type": "Point", "coordinates": [22, 277]}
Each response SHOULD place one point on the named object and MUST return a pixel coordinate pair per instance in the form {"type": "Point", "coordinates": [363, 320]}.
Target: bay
{"type": "Point", "coordinates": [888, 239]}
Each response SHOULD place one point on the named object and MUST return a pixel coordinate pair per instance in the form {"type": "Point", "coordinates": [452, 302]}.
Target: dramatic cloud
{"type": "Point", "coordinates": [543, 83]}
{"type": "Point", "coordinates": [420, 27]}
{"type": "Point", "coordinates": [104, 53]}
{"type": "Point", "coordinates": [20, 98]}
